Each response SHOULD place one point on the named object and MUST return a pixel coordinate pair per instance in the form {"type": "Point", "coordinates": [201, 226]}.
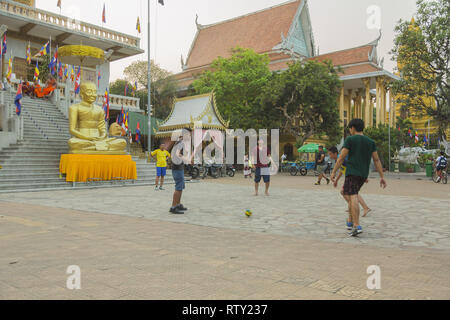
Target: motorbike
{"type": "Point", "coordinates": [230, 171]}
{"type": "Point", "coordinates": [192, 170]}
{"type": "Point", "coordinates": [211, 170]}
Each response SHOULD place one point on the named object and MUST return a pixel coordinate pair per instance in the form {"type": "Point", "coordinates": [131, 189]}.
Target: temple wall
{"type": "Point", "coordinates": [30, 3]}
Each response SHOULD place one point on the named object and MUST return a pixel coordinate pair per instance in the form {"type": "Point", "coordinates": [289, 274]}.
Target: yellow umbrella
{"type": "Point", "coordinates": [79, 55]}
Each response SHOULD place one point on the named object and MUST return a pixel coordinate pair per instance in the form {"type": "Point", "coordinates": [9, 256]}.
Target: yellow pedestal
{"type": "Point", "coordinates": [84, 167]}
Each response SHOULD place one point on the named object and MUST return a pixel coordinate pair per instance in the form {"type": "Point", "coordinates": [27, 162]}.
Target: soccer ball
{"type": "Point", "coordinates": [248, 213]}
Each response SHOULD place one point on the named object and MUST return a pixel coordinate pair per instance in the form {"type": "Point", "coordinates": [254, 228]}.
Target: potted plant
{"type": "Point", "coordinates": [409, 168]}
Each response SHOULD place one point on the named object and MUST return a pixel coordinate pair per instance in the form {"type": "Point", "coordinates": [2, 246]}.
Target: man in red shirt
{"type": "Point", "coordinates": [261, 160]}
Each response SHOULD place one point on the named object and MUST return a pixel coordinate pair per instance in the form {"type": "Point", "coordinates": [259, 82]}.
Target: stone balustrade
{"type": "Point", "coordinates": [73, 25]}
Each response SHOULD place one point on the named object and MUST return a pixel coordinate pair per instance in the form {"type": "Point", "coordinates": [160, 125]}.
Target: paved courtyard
{"type": "Point", "coordinates": [295, 245]}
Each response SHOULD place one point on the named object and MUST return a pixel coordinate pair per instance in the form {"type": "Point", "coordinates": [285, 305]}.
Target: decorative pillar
{"type": "Point", "coordinates": [379, 101]}
{"type": "Point", "coordinates": [383, 102]}
{"type": "Point", "coordinates": [342, 104]}
{"type": "Point", "coordinates": [349, 106]}
{"type": "Point", "coordinates": [371, 108]}
{"type": "Point", "coordinates": [368, 104]}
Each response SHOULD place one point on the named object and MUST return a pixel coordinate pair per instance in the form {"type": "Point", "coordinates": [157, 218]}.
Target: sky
{"type": "Point", "coordinates": [337, 24]}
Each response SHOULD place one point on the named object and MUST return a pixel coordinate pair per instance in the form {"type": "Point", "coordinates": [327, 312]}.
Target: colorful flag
{"type": "Point", "coordinates": [66, 72]}
{"type": "Point", "coordinates": [98, 79]}
{"type": "Point", "coordinates": [410, 133]}
{"type": "Point", "coordinates": [417, 137]}
{"type": "Point", "coordinates": [72, 75]}
{"type": "Point", "coordinates": [104, 14]}
{"type": "Point", "coordinates": [77, 81]}
{"type": "Point", "coordinates": [126, 89]}
{"type": "Point", "coordinates": [138, 132]}
{"type": "Point", "coordinates": [9, 72]}
{"type": "Point", "coordinates": [61, 70]}
{"type": "Point", "coordinates": [138, 25]}
{"type": "Point", "coordinates": [106, 105]}
{"type": "Point", "coordinates": [425, 140]}
{"type": "Point", "coordinates": [4, 46]}
{"type": "Point", "coordinates": [134, 89]}
{"type": "Point", "coordinates": [36, 72]}
{"type": "Point", "coordinates": [126, 121]}
{"type": "Point", "coordinates": [44, 50]}
{"type": "Point", "coordinates": [28, 54]}
{"type": "Point", "coordinates": [17, 100]}
{"type": "Point", "coordinates": [54, 62]}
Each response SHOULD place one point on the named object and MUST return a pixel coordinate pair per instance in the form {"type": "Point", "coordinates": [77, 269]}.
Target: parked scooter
{"type": "Point", "coordinates": [192, 170]}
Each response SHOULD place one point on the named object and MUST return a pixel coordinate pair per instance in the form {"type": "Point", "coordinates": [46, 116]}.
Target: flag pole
{"type": "Point", "coordinates": [149, 83]}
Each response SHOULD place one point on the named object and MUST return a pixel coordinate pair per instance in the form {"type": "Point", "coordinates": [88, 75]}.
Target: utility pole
{"type": "Point", "coordinates": [149, 85]}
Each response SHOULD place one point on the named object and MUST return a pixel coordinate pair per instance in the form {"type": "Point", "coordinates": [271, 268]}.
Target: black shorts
{"type": "Point", "coordinates": [353, 185]}
{"type": "Point", "coordinates": [262, 173]}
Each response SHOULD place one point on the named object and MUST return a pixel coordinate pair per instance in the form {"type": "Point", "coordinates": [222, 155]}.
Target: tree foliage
{"type": "Point", "coordinates": [307, 97]}
{"type": "Point", "coordinates": [238, 83]}
{"type": "Point", "coordinates": [422, 49]}
{"type": "Point", "coordinates": [163, 88]}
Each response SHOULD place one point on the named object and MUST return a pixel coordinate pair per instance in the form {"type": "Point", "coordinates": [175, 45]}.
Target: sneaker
{"type": "Point", "coordinates": [182, 208]}
{"type": "Point", "coordinates": [349, 226]}
{"type": "Point", "coordinates": [356, 231]}
{"type": "Point", "coordinates": [156, 188]}
{"type": "Point", "coordinates": [328, 181]}
{"type": "Point", "coordinates": [176, 211]}
{"type": "Point", "coordinates": [161, 188]}
{"type": "Point", "coordinates": [317, 184]}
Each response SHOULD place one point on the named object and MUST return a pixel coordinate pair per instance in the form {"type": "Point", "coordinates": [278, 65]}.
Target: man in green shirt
{"type": "Point", "coordinates": [360, 151]}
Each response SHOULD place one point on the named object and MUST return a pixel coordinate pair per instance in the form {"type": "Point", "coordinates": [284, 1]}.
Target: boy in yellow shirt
{"type": "Point", "coordinates": [162, 155]}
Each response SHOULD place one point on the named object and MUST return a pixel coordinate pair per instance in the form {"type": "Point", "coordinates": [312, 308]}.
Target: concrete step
{"type": "Point", "coordinates": [18, 181]}
{"type": "Point", "coordinates": [30, 176]}
{"type": "Point", "coordinates": [34, 150]}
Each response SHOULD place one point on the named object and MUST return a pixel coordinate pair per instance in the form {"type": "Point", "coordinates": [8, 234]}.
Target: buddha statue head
{"type": "Point", "coordinates": [88, 92]}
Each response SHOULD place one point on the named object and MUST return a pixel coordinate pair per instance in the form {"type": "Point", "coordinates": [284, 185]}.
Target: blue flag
{"type": "Point", "coordinates": [17, 100]}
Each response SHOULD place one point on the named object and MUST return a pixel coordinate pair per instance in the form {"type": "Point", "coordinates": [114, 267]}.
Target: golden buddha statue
{"type": "Point", "coordinates": [88, 128]}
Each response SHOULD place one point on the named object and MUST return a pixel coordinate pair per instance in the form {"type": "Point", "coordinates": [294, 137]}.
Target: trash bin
{"type": "Point", "coordinates": [429, 169]}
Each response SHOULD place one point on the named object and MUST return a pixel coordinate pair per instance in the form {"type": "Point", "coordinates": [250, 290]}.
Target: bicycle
{"type": "Point", "coordinates": [444, 175]}
{"type": "Point", "coordinates": [298, 167]}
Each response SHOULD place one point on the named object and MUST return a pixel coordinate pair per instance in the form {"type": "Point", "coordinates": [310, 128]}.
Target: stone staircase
{"type": "Point", "coordinates": [33, 164]}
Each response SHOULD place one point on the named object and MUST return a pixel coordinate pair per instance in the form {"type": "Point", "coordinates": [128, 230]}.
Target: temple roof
{"type": "Point", "coordinates": [197, 111]}
{"type": "Point", "coordinates": [350, 56]}
{"type": "Point", "coordinates": [260, 31]}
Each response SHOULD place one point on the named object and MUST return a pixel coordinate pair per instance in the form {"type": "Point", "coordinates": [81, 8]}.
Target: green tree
{"type": "Point", "coordinates": [306, 95]}
{"type": "Point", "coordinates": [163, 88]}
{"type": "Point", "coordinates": [238, 83]}
{"type": "Point", "coordinates": [118, 87]}
{"type": "Point", "coordinates": [422, 48]}
{"type": "Point", "coordinates": [137, 72]}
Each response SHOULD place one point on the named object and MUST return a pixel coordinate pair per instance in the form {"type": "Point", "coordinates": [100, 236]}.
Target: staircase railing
{"type": "Point", "coordinates": [10, 121]}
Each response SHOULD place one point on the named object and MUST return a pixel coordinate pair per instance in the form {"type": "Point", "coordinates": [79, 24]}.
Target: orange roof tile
{"type": "Point", "coordinates": [260, 31]}
{"type": "Point", "coordinates": [348, 56]}
{"type": "Point", "coordinates": [363, 68]}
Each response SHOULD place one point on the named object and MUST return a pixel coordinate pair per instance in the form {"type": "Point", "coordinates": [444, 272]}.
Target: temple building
{"type": "Point", "coordinates": [196, 112]}
{"type": "Point", "coordinates": [284, 33]}
{"type": "Point", "coordinates": [33, 141]}
{"type": "Point", "coordinates": [27, 24]}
